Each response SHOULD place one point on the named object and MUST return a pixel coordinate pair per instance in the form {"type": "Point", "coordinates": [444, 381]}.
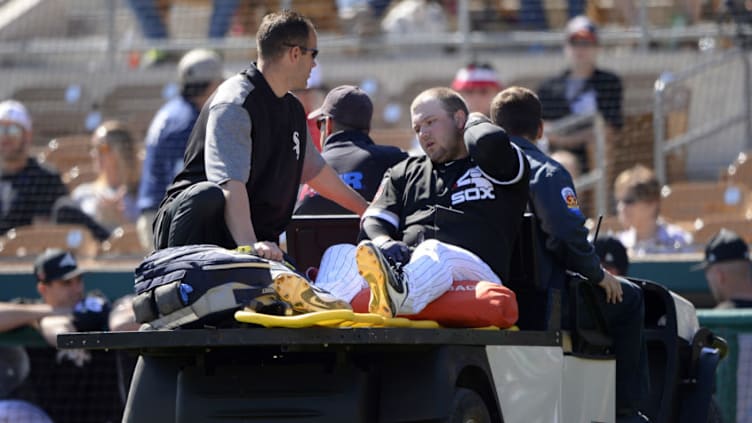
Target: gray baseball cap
{"type": "Point", "coordinates": [200, 65]}
{"type": "Point", "coordinates": [347, 105]}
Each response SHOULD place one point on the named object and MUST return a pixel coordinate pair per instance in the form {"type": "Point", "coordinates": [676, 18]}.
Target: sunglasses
{"type": "Point", "coordinates": [320, 122]}
{"type": "Point", "coordinates": [314, 51]}
{"type": "Point", "coordinates": [11, 130]}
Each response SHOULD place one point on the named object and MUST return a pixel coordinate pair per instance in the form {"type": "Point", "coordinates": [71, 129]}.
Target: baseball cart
{"type": "Point", "coordinates": [536, 372]}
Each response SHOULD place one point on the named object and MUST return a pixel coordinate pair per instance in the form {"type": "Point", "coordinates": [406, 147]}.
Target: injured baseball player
{"type": "Point", "coordinates": [452, 214]}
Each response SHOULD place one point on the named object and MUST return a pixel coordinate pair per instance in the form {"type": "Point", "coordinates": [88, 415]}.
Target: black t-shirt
{"type": "Point", "coordinates": [276, 168]}
{"type": "Point", "coordinates": [30, 193]}
{"type": "Point", "coordinates": [359, 163]}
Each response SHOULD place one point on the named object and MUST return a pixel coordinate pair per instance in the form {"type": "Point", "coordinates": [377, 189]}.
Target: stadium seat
{"type": "Point", "coordinates": [66, 152]}
{"type": "Point", "coordinates": [709, 226]}
{"type": "Point", "coordinates": [693, 200]}
{"type": "Point", "coordinates": [56, 110]}
{"type": "Point", "coordinates": [135, 105]}
{"type": "Point", "coordinates": [123, 242]}
{"type": "Point", "coordinates": [30, 241]}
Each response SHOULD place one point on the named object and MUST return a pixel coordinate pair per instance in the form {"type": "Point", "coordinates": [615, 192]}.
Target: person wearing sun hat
{"type": "Point", "coordinates": [728, 270]}
{"type": "Point", "coordinates": [581, 89]}
{"type": "Point", "coordinates": [477, 83]}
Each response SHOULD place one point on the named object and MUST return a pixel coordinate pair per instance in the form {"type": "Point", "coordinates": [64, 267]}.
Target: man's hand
{"type": "Point", "coordinates": [396, 251]}
{"type": "Point", "coordinates": [612, 286]}
{"type": "Point", "coordinates": [267, 250]}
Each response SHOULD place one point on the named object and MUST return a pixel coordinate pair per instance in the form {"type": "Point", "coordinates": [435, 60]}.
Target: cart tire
{"type": "Point", "coordinates": [468, 407]}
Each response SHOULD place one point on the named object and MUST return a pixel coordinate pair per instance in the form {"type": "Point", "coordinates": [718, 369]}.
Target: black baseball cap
{"type": "Point", "coordinates": [726, 245]}
{"type": "Point", "coordinates": [55, 264]}
{"type": "Point", "coordinates": [612, 253]}
{"type": "Point", "coordinates": [347, 105]}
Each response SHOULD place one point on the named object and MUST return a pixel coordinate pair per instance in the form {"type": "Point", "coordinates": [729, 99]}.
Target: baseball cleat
{"type": "Point", "coordinates": [304, 297]}
{"type": "Point", "coordinates": [388, 290]}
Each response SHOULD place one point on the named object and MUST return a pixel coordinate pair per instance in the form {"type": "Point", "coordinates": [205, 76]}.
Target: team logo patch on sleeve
{"type": "Point", "coordinates": [570, 198]}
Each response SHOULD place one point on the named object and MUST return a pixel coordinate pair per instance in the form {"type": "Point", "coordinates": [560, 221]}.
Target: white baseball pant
{"type": "Point", "coordinates": [433, 267]}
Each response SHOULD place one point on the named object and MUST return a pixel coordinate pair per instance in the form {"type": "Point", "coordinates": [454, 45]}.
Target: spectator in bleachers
{"type": "Point", "coordinates": [14, 370]}
{"type": "Point", "coordinates": [28, 189]}
{"type": "Point", "coordinates": [152, 15]}
{"type": "Point", "coordinates": [613, 255]}
{"type": "Point", "coordinates": [728, 270]}
{"type": "Point", "coordinates": [638, 197]}
{"type": "Point", "coordinates": [311, 98]}
{"type": "Point", "coordinates": [199, 73]}
{"type": "Point", "coordinates": [31, 191]}
{"type": "Point", "coordinates": [78, 373]}
{"type": "Point", "coordinates": [477, 83]}
{"type": "Point", "coordinates": [345, 120]}
{"type": "Point", "coordinates": [111, 198]}
{"type": "Point", "coordinates": [582, 89]}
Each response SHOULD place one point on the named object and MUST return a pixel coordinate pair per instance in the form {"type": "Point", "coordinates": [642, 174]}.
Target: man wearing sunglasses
{"type": "Point", "coordinates": [344, 120]}
{"type": "Point", "coordinates": [28, 190]}
{"type": "Point", "coordinates": [249, 152]}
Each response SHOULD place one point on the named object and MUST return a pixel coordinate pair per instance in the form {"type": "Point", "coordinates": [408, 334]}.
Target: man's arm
{"type": "Point", "coordinates": [321, 177]}
{"type": "Point", "coordinates": [556, 207]}
{"type": "Point", "coordinates": [14, 315]}
{"type": "Point", "coordinates": [238, 220]}
{"type": "Point", "coordinates": [489, 146]}
{"type": "Point", "coordinates": [330, 186]}
{"type": "Point", "coordinates": [50, 327]}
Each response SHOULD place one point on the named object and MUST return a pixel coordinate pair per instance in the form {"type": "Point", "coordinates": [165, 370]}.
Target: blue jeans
{"type": "Point", "coordinates": [532, 15]}
{"type": "Point", "coordinates": [153, 26]}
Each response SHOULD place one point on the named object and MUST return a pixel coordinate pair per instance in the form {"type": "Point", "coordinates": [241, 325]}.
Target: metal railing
{"type": "Point", "coordinates": [463, 39]}
{"type": "Point", "coordinates": [663, 85]}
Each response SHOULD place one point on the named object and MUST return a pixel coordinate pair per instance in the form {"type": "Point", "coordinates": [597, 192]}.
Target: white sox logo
{"type": "Point", "coordinates": [296, 144]}
{"type": "Point", "coordinates": [478, 187]}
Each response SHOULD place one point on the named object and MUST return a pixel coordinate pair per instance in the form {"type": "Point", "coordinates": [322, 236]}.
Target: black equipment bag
{"type": "Point", "coordinates": [197, 285]}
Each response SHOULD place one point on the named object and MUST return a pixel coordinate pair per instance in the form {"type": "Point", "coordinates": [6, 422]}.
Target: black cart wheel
{"type": "Point", "coordinates": [468, 407]}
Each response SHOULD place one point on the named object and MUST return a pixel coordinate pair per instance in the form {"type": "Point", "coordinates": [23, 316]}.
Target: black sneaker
{"type": "Point", "coordinates": [388, 288]}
